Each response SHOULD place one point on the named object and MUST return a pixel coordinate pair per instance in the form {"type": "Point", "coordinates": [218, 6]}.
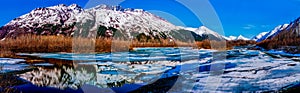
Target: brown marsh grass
{"type": "Point", "coordinates": [51, 44]}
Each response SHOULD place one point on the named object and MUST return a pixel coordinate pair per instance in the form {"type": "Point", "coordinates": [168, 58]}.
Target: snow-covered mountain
{"type": "Point", "coordinates": [97, 21]}
{"type": "Point", "coordinates": [287, 31]}
{"type": "Point", "coordinates": [267, 35]}
{"type": "Point", "coordinates": [240, 37]}
{"type": "Point", "coordinates": [63, 20]}
{"type": "Point", "coordinates": [284, 38]}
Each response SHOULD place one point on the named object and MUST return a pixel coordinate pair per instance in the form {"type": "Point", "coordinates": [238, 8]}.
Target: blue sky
{"type": "Point", "coordinates": [246, 17]}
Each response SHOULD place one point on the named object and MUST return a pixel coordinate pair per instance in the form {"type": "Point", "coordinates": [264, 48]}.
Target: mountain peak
{"type": "Point", "coordinates": [61, 5]}
{"type": "Point", "coordinates": [102, 6]}
{"type": "Point", "coordinates": [74, 6]}
{"type": "Point", "coordinates": [241, 37]}
{"type": "Point", "coordinates": [204, 29]}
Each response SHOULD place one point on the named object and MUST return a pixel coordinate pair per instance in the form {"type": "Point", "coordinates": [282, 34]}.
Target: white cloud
{"type": "Point", "coordinates": [249, 26]}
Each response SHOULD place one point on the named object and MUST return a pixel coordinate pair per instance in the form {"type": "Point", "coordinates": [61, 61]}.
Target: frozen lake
{"type": "Point", "coordinates": [195, 71]}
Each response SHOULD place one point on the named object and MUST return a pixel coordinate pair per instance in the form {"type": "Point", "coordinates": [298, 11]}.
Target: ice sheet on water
{"type": "Point", "coordinates": [12, 68]}
{"type": "Point", "coordinates": [10, 64]}
{"type": "Point", "coordinates": [251, 70]}
{"type": "Point", "coordinates": [283, 53]}
{"type": "Point", "coordinates": [253, 74]}
{"type": "Point", "coordinates": [10, 61]}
